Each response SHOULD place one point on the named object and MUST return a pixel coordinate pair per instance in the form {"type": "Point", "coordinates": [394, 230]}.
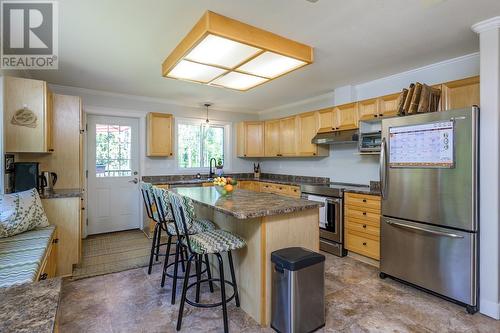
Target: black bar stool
{"type": "Point", "coordinates": [147, 195]}
{"type": "Point", "coordinates": [200, 245]}
{"type": "Point", "coordinates": [198, 225]}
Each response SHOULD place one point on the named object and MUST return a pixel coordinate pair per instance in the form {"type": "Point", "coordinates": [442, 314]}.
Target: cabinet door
{"type": "Point", "coordinates": [49, 123]}
{"type": "Point", "coordinates": [460, 94]}
{"type": "Point", "coordinates": [288, 144]}
{"type": "Point", "coordinates": [368, 109]}
{"type": "Point", "coordinates": [307, 127]}
{"type": "Point", "coordinates": [346, 116]}
{"type": "Point", "coordinates": [325, 120]}
{"type": "Point", "coordinates": [272, 138]}
{"type": "Point", "coordinates": [254, 139]}
{"type": "Point", "coordinates": [159, 139]}
{"type": "Point", "coordinates": [25, 116]}
{"type": "Point", "coordinates": [389, 105]}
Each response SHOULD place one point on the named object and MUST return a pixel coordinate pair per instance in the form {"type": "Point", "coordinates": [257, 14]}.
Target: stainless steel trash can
{"type": "Point", "coordinates": [298, 290]}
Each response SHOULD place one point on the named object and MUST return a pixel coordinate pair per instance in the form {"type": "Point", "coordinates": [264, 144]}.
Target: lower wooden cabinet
{"type": "Point", "coordinates": [64, 213]}
{"type": "Point", "coordinates": [362, 224]}
{"type": "Point", "coordinates": [265, 187]}
{"type": "Point", "coordinates": [49, 263]}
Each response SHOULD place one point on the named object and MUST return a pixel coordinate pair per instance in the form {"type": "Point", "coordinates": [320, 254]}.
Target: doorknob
{"type": "Point", "coordinates": [135, 181]}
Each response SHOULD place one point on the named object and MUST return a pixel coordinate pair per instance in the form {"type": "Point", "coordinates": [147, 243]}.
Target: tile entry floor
{"type": "Point", "coordinates": [356, 301]}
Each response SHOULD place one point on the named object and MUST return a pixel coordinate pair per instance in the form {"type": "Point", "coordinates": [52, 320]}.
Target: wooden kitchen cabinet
{"type": "Point", "coordinates": [287, 146]}
{"type": "Point", "coordinates": [65, 214]}
{"type": "Point", "coordinates": [368, 109]}
{"type": "Point", "coordinates": [346, 116]}
{"type": "Point", "coordinates": [326, 120]}
{"type": "Point", "coordinates": [460, 93]}
{"type": "Point", "coordinates": [27, 107]}
{"type": "Point", "coordinates": [388, 105]}
{"type": "Point", "coordinates": [307, 128]}
{"type": "Point", "coordinates": [272, 138]}
{"type": "Point", "coordinates": [159, 134]}
{"type": "Point", "coordinates": [250, 137]}
{"type": "Point", "coordinates": [362, 224]}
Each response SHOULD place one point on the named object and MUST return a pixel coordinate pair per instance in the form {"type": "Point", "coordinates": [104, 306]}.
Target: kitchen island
{"type": "Point", "coordinates": [267, 222]}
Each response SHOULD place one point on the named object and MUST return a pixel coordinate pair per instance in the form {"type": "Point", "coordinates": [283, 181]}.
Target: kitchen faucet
{"type": "Point", "coordinates": [212, 173]}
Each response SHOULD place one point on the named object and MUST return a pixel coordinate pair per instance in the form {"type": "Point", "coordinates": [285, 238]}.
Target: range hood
{"type": "Point", "coordinates": [331, 138]}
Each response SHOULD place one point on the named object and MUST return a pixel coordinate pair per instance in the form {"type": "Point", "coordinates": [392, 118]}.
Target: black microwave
{"type": "Point", "coordinates": [370, 142]}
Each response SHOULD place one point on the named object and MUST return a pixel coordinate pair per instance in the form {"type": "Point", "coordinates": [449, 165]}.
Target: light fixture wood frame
{"type": "Point", "coordinates": [214, 24]}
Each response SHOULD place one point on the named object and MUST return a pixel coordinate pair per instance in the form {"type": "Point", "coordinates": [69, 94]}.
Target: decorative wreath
{"type": "Point", "coordinates": [24, 117]}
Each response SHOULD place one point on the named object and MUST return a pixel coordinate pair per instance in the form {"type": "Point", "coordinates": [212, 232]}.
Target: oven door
{"type": "Point", "coordinates": [332, 229]}
{"type": "Point", "coordinates": [330, 217]}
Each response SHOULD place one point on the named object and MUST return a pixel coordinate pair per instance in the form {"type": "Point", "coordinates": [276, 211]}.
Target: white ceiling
{"type": "Point", "coordinates": [119, 45]}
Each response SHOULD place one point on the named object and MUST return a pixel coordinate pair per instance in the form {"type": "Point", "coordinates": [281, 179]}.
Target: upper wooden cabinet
{"type": "Point", "coordinates": [346, 116]}
{"type": "Point", "coordinates": [272, 138]}
{"type": "Point", "coordinates": [159, 134]}
{"type": "Point", "coordinates": [388, 105]}
{"type": "Point", "coordinates": [326, 120]}
{"type": "Point", "coordinates": [250, 139]}
{"type": "Point", "coordinates": [307, 128]}
{"type": "Point", "coordinates": [460, 94]}
{"type": "Point", "coordinates": [27, 116]}
{"type": "Point", "coordinates": [287, 137]}
{"type": "Point", "coordinates": [368, 109]}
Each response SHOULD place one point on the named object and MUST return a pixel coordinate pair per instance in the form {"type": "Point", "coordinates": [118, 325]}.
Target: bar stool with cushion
{"type": "Point", "coordinates": [147, 196]}
{"type": "Point", "coordinates": [201, 245]}
{"type": "Point", "coordinates": [198, 225]}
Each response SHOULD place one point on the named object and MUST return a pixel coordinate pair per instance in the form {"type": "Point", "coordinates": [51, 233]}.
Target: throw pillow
{"type": "Point", "coordinates": [20, 212]}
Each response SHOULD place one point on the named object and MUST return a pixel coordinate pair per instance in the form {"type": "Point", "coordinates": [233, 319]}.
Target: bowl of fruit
{"type": "Point", "coordinates": [225, 186]}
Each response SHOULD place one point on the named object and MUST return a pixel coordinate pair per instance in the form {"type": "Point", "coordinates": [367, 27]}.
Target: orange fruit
{"type": "Point", "coordinates": [228, 187]}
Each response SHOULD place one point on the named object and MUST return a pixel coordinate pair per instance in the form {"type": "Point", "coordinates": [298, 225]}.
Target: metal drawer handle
{"type": "Point", "coordinates": [364, 226]}
{"type": "Point", "coordinates": [364, 213]}
{"type": "Point", "coordinates": [364, 200]}
{"type": "Point", "coordinates": [364, 243]}
{"type": "Point", "coordinates": [439, 233]}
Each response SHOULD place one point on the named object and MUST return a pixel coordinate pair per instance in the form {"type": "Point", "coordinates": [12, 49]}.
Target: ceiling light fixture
{"type": "Point", "coordinates": [223, 52]}
{"type": "Point", "coordinates": [207, 105]}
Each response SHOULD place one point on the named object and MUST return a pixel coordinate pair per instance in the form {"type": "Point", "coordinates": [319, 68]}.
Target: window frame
{"type": "Point", "coordinates": [227, 144]}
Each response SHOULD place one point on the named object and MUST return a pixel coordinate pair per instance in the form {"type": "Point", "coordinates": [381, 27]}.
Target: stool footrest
{"type": "Point", "coordinates": [209, 305]}
{"type": "Point", "coordinates": [171, 275]}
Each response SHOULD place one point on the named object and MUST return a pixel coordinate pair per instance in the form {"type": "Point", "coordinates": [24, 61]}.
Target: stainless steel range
{"type": "Point", "coordinates": [331, 215]}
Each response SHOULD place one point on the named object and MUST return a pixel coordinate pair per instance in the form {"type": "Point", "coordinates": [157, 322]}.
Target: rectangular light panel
{"type": "Point", "coordinates": [193, 71]}
{"type": "Point", "coordinates": [271, 65]}
{"type": "Point", "coordinates": [219, 51]}
{"type": "Point", "coordinates": [238, 81]}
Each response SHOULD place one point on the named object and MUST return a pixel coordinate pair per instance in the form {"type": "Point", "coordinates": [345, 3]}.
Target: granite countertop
{"type": "Point", "coordinates": [264, 180]}
{"type": "Point", "coordinates": [62, 193]}
{"type": "Point", "coordinates": [372, 189]}
{"type": "Point", "coordinates": [30, 307]}
{"type": "Point", "coordinates": [244, 204]}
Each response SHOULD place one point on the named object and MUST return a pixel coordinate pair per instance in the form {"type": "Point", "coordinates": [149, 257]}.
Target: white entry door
{"type": "Point", "coordinates": [113, 174]}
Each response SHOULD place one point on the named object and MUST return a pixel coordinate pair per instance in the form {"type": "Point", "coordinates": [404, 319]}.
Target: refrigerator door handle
{"type": "Point", "coordinates": [439, 233]}
{"type": "Point", "coordinates": [382, 168]}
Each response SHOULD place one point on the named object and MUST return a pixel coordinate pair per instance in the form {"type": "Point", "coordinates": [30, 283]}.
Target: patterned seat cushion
{"type": "Point", "coordinates": [161, 196]}
{"type": "Point", "coordinates": [20, 212]}
{"type": "Point", "coordinates": [199, 225]}
{"type": "Point", "coordinates": [22, 255]}
{"type": "Point", "coordinates": [215, 241]}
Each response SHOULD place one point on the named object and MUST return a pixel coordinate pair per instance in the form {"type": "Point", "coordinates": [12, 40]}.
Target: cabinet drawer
{"type": "Point", "coordinates": [281, 189]}
{"type": "Point", "coordinates": [267, 187]}
{"type": "Point", "coordinates": [363, 227]}
{"type": "Point", "coordinates": [362, 214]}
{"type": "Point", "coordinates": [363, 200]}
{"type": "Point", "coordinates": [294, 191]}
{"type": "Point", "coordinates": [355, 242]}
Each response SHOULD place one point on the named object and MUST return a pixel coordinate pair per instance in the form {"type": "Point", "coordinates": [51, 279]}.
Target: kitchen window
{"type": "Point", "coordinates": [198, 142]}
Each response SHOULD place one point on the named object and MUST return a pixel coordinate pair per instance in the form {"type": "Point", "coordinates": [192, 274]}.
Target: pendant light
{"type": "Point", "coordinates": [207, 105]}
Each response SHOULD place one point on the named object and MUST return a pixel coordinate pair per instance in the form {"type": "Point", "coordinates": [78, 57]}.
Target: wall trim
{"type": "Point", "coordinates": [94, 92]}
{"type": "Point", "coordinates": [491, 23]}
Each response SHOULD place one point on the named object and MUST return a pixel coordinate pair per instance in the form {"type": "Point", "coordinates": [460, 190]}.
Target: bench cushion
{"type": "Point", "coordinates": [22, 255]}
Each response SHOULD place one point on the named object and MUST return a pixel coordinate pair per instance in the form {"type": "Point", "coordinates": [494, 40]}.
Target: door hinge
{"type": "Point", "coordinates": [86, 173]}
{"type": "Point", "coordinates": [86, 127]}
{"type": "Point", "coordinates": [87, 222]}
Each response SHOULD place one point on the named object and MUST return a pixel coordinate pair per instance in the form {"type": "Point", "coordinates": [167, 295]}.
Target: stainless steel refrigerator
{"type": "Point", "coordinates": [429, 185]}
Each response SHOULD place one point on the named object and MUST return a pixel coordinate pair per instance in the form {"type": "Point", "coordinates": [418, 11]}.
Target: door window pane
{"type": "Point", "coordinates": [113, 144]}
